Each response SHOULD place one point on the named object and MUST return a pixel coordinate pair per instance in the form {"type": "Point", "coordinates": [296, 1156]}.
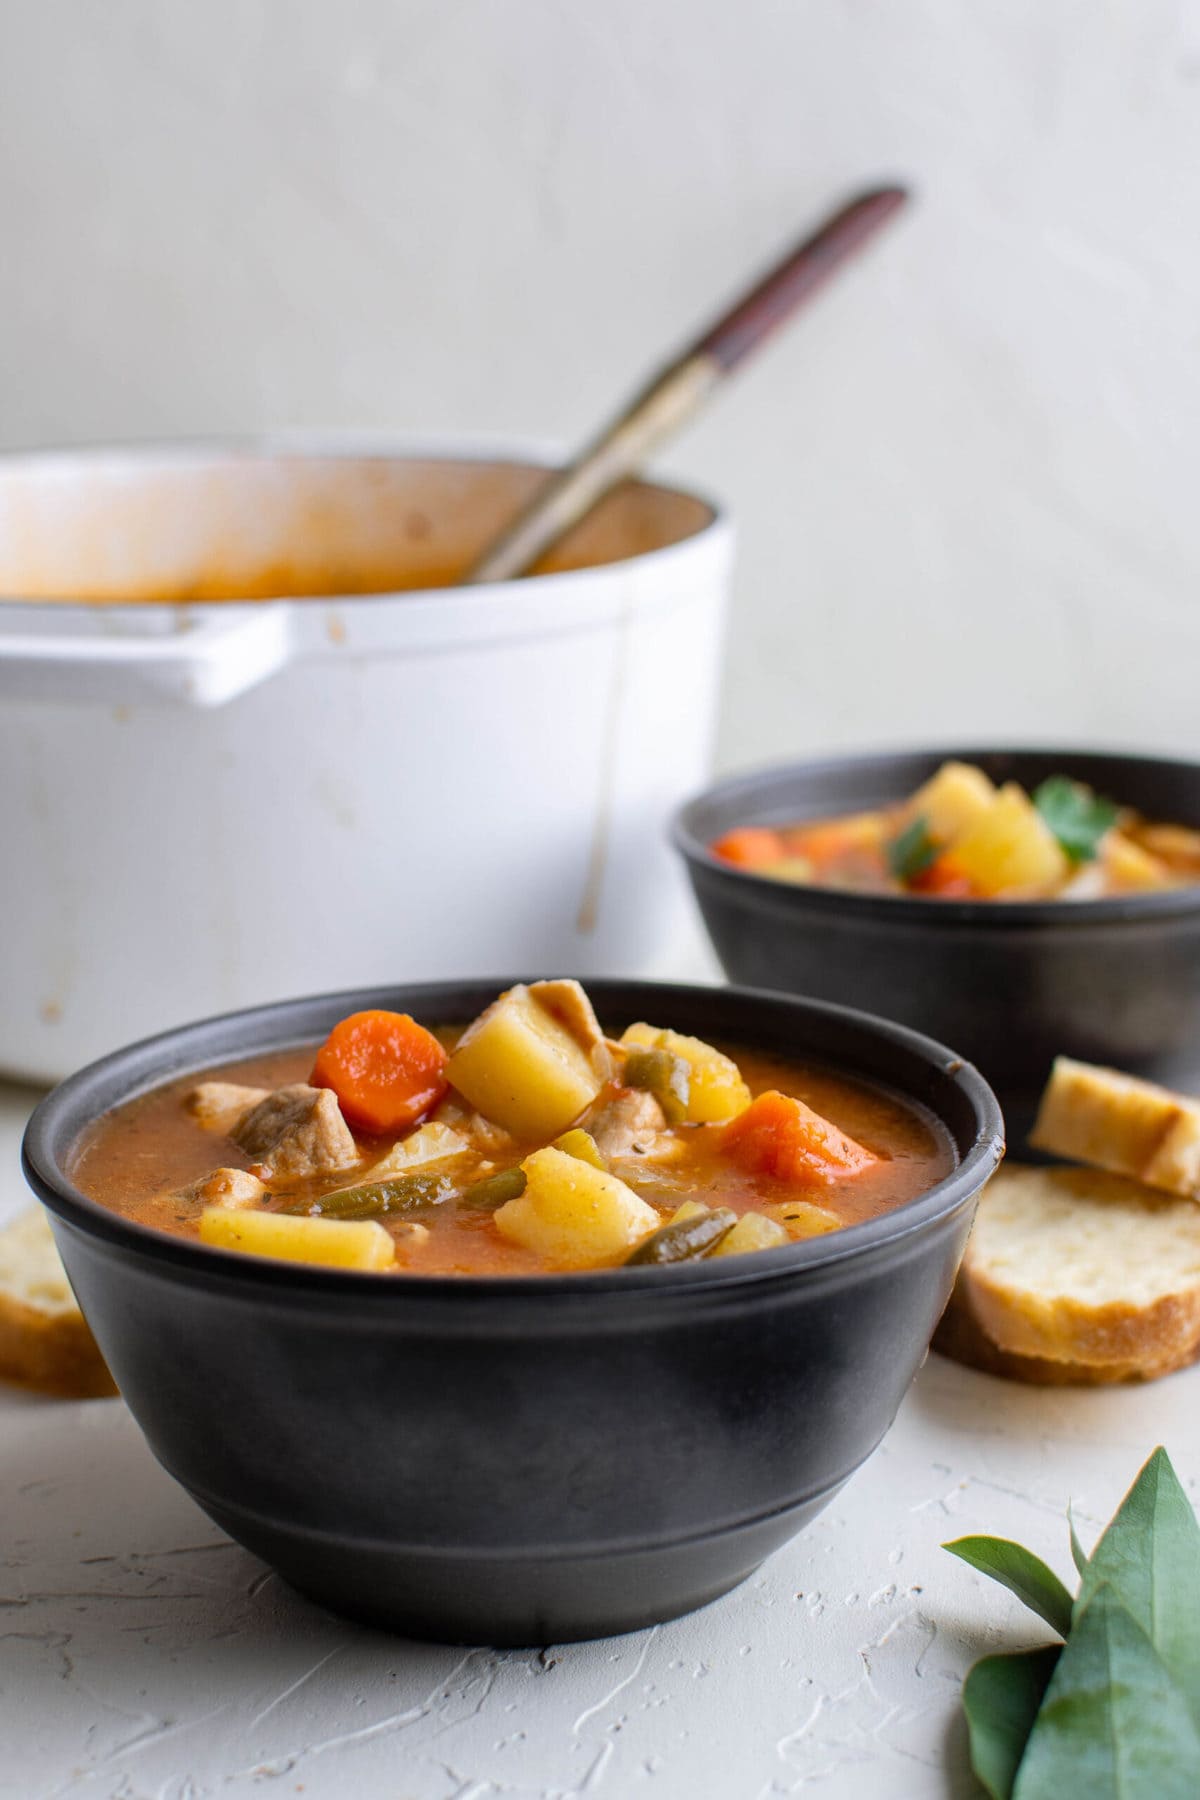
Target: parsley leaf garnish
{"type": "Point", "coordinates": [912, 852]}
{"type": "Point", "coordinates": [1077, 817]}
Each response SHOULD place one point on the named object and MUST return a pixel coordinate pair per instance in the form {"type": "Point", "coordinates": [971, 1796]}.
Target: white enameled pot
{"type": "Point", "coordinates": [210, 803]}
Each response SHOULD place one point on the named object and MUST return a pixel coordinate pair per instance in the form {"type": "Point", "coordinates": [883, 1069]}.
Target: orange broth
{"type": "Point", "coordinates": [136, 1160]}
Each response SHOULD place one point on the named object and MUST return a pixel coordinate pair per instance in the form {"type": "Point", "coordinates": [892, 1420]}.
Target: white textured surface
{"type": "Point", "coordinates": [145, 1657]}
{"type": "Point", "coordinates": [967, 480]}
{"type": "Point", "coordinates": [967, 491]}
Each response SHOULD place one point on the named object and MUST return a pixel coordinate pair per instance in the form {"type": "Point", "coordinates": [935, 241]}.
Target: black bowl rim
{"type": "Point", "coordinates": [65, 1111]}
{"type": "Point", "coordinates": [917, 909]}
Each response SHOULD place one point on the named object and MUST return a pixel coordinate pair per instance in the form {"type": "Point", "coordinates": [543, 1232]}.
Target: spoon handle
{"type": "Point", "coordinates": [677, 391]}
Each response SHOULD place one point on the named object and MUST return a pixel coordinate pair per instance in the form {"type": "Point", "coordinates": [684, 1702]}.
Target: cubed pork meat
{"type": "Point", "coordinates": [221, 1105]}
{"type": "Point", "coordinates": [230, 1188]}
{"type": "Point", "coordinates": [487, 1138]}
{"type": "Point", "coordinates": [567, 1001]}
{"type": "Point", "coordinates": [631, 1123]}
{"type": "Point", "coordinates": [298, 1131]}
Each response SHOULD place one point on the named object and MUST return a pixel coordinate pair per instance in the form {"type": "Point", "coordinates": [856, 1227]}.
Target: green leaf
{"type": "Point", "coordinates": [1001, 1697]}
{"type": "Point", "coordinates": [912, 852]}
{"type": "Point", "coordinates": [1077, 817]}
{"type": "Point", "coordinates": [1113, 1726]}
{"type": "Point", "coordinates": [1150, 1555]}
{"type": "Point", "coordinates": [1078, 1553]}
{"type": "Point", "coordinates": [1023, 1573]}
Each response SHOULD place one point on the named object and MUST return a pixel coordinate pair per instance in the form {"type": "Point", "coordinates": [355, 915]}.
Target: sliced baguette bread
{"type": "Point", "coordinates": [1118, 1122]}
{"type": "Point", "coordinates": [959, 1336]}
{"type": "Point", "coordinates": [44, 1342]}
{"type": "Point", "coordinates": [1077, 1276]}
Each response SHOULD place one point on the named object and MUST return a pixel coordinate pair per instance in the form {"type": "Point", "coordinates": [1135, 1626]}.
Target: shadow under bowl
{"type": "Point", "coordinates": [1011, 983]}
{"type": "Point", "coordinates": [529, 1459]}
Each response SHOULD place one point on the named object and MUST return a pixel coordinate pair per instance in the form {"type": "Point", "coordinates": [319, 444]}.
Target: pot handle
{"type": "Point", "coordinates": [203, 659]}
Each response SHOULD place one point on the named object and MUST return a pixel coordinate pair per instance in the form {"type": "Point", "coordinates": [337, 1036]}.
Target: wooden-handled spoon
{"type": "Point", "coordinates": [678, 391]}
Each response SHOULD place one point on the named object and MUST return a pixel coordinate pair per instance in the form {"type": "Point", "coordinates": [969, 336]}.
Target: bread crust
{"type": "Point", "coordinates": [960, 1337]}
{"type": "Point", "coordinates": [1076, 1277]}
{"type": "Point", "coordinates": [1164, 1334]}
{"type": "Point", "coordinates": [1117, 1122]}
{"type": "Point", "coordinates": [44, 1340]}
{"type": "Point", "coordinates": [54, 1352]}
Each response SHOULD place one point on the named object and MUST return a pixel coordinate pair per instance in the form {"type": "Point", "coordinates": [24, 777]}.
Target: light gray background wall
{"type": "Point", "coordinates": [967, 483]}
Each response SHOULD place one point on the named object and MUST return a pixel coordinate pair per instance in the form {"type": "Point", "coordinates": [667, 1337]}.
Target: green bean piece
{"type": "Point", "coordinates": [402, 1194]}
{"type": "Point", "coordinates": [684, 1240]}
{"type": "Point", "coordinates": [582, 1146]}
{"type": "Point", "coordinates": [487, 1195]}
{"type": "Point", "coordinates": [665, 1076]}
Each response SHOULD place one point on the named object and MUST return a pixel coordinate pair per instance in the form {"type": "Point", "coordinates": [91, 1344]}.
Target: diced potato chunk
{"type": "Point", "coordinates": [1129, 866]}
{"type": "Point", "coordinates": [420, 1149]}
{"type": "Point", "coordinates": [573, 1215]}
{"type": "Point", "coordinates": [1178, 845]}
{"type": "Point", "coordinates": [799, 869]}
{"type": "Point", "coordinates": [1010, 846]}
{"type": "Point", "coordinates": [338, 1243]}
{"type": "Point", "coordinates": [801, 1219]}
{"type": "Point", "coordinates": [952, 800]}
{"type": "Point", "coordinates": [753, 1231]}
{"type": "Point", "coordinates": [522, 1068]}
{"type": "Point", "coordinates": [716, 1090]}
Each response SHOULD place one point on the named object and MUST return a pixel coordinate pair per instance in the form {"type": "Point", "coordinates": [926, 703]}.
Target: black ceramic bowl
{"type": "Point", "coordinates": [1011, 983]}
{"type": "Point", "coordinates": [519, 1460]}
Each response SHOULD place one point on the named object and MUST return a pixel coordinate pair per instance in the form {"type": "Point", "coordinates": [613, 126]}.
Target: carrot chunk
{"type": "Point", "coordinates": [827, 842]}
{"type": "Point", "coordinates": [750, 846]}
{"type": "Point", "coordinates": [386, 1070]}
{"type": "Point", "coordinates": [944, 878]}
{"type": "Point", "coordinates": [778, 1135]}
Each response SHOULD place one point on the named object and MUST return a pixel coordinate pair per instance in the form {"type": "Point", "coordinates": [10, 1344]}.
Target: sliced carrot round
{"type": "Point", "coordinates": [386, 1070]}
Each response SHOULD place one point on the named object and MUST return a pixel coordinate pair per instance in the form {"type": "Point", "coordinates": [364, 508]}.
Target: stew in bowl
{"type": "Point", "coordinates": [962, 837]}
{"type": "Point", "coordinates": [529, 1142]}
{"type": "Point", "coordinates": [507, 1457]}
